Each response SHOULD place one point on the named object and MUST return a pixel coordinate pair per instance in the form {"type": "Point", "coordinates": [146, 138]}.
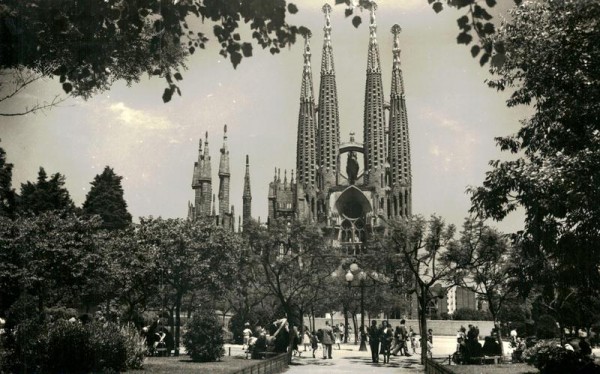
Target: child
{"type": "Point", "coordinates": [413, 341]}
{"type": "Point", "coordinates": [306, 338]}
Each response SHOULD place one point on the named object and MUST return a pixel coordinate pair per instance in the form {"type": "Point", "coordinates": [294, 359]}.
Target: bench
{"type": "Point", "coordinates": [265, 354]}
{"type": "Point", "coordinates": [487, 360]}
{"type": "Point", "coordinates": [484, 360]}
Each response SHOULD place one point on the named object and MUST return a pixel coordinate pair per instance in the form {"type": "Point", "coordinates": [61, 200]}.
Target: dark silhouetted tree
{"type": "Point", "coordinates": [45, 195]}
{"type": "Point", "coordinates": [7, 193]}
{"type": "Point", "coordinates": [105, 199]}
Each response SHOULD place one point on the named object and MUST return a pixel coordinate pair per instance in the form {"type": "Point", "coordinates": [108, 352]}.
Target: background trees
{"type": "Point", "coordinates": [484, 264]}
{"type": "Point", "coordinates": [294, 264]}
{"type": "Point", "coordinates": [190, 255]}
{"type": "Point", "coordinates": [423, 246]}
{"type": "Point", "coordinates": [45, 195]}
{"type": "Point", "coordinates": [105, 199]}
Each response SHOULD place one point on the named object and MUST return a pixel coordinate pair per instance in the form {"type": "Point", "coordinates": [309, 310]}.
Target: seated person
{"type": "Point", "coordinates": [259, 346]}
{"type": "Point", "coordinates": [461, 356]}
{"type": "Point", "coordinates": [473, 348]}
{"type": "Point", "coordinates": [491, 347]}
{"type": "Point", "coordinates": [584, 347]}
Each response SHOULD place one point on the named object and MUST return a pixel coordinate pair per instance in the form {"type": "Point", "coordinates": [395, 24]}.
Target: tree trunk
{"type": "Point", "coordinates": [345, 325]}
{"type": "Point", "coordinates": [177, 322]}
{"type": "Point", "coordinates": [356, 328]}
{"type": "Point", "coordinates": [423, 322]}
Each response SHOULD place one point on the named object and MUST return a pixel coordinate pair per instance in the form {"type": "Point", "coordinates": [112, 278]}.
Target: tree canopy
{"type": "Point", "coordinates": [552, 64]}
{"type": "Point", "coordinates": [89, 45]}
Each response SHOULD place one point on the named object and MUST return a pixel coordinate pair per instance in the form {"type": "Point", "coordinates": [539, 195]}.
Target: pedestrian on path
{"type": "Point", "coordinates": [328, 340]}
{"type": "Point", "coordinates": [374, 337]}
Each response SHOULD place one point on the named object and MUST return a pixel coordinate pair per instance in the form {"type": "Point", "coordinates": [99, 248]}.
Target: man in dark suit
{"type": "Point", "coordinates": [374, 337]}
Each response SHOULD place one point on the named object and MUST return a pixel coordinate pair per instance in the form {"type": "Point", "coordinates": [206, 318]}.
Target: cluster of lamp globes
{"type": "Point", "coordinates": [362, 275]}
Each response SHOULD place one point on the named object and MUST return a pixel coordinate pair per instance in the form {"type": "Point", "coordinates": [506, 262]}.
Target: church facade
{"type": "Point", "coordinates": [349, 187]}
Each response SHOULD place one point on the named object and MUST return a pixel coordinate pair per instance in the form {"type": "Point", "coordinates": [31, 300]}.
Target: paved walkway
{"type": "Point", "coordinates": [350, 360]}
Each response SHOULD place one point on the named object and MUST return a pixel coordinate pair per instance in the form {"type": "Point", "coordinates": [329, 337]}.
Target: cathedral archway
{"type": "Point", "coordinates": [353, 203]}
{"type": "Point", "coordinates": [353, 206]}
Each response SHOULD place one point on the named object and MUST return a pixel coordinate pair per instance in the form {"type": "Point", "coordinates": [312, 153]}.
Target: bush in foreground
{"type": "Point", "coordinates": [63, 346]}
{"type": "Point", "coordinates": [552, 358]}
{"type": "Point", "coordinates": [203, 338]}
{"type": "Point", "coordinates": [135, 344]}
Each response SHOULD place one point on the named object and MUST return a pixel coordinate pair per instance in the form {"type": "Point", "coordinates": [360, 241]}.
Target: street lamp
{"type": "Point", "coordinates": [354, 268]}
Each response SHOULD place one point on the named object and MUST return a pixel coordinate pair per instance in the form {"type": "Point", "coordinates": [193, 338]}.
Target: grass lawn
{"type": "Point", "coordinates": [183, 364]}
{"type": "Point", "coordinates": [493, 369]}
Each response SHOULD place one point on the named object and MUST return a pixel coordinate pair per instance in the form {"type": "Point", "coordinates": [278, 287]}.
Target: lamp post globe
{"type": "Point", "coordinates": [349, 277]}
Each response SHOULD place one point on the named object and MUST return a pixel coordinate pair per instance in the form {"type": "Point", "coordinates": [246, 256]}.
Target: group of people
{"type": "Point", "coordinates": [159, 339]}
{"type": "Point", "coordinates": [273, 339]}
{"type": "Point", "coordinates": [468, 346]}
{"type": "Point", "coordinates": [387, 341]}
{"type": "Point", "coordinates": [383, 340]}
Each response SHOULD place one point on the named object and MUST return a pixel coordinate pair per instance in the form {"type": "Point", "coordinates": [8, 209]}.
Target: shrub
{"type": "Point", "coordinates": [468, 314]}
{"type": "Point", "coordinates": [108, 345]}
{"type": "Point", "coordinates": [21, 347]}
{"type": "Point", "coordinates": [135, 345]}
{"type": "Point", "coordinates": [67, 348]}
{"type": "Point", "coordinates": [552, 358]}
{"type": "Point", "coordinates": [62, 346]}
{"type": "Point", "coordinates": [21, 340]}
{"type": "Point", "coordinates": [203, 338]}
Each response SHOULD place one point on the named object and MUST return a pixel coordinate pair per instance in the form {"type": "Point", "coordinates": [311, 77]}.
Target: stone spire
{"type": "Point", "coordinates": [374, 114]}
{"type": "Point", "coordinates": [399, 142]}
{"type": "Point", "coordinates": [224, 177]}
{"type": "Point", "coordinates": [204, 180]}
{"type": "Point", "coordinates": [214, 213]}
{"type": "Point", "coordinates": [306, 152]}
{"type": "Point", "coordinates": [329, 123]}
{"type": "Point", "coordinates": [247, 195]}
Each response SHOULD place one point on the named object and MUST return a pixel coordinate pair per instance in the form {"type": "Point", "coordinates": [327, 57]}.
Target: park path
{"type": "Point", "coordinates": [349, 359]}
{"type": "Point", "coordinates": [353, 362]}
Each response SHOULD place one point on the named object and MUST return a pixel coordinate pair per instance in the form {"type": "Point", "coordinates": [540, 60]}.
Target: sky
{"type": "Point", "coordinates": [453, 117]}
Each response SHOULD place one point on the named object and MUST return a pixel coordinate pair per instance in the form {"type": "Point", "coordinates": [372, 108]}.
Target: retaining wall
{"type": "Point", "coordinates": [439, 327]}
{"type": "Point", "coordinates": [273, 365]}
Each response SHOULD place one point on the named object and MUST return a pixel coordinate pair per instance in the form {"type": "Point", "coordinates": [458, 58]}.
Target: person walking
{"type": "Point", "coordinates": [404, 333]}
{"type": "Point", "coordinates": [314, 343]}
{"type": "Point", "coordinates": [374, 337]}
{"type": "Point", "coordinates": [336, 335]}
{"type": "Point", "coordinates": [306, 339]}
{"type": "Point", "coordinates": [246, 335]}
{"type": "Point", "coordinates": [328, 340]}
{"type": "Point", "coordinates": [387, 336]}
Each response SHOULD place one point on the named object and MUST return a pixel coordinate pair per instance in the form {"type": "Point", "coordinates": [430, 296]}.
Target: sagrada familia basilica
{"type": "Point", "coordinates": [349, 188]}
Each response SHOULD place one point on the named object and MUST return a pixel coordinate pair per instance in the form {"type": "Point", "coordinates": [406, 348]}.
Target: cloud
{"type": "Point", "coordinates": [444, 122]}
{"type": "Point", "coordinates": [139, 119]}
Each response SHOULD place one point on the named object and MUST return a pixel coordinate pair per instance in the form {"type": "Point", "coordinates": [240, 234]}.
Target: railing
{"type": "Point", "coordinates": [434, 366]}
{"type": "Point", "coordinates": [273, 365]}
